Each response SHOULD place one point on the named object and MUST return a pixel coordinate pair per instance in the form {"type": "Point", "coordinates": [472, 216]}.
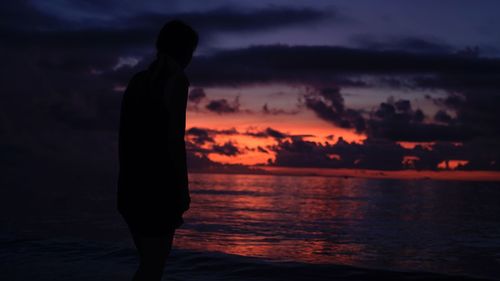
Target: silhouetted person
{"type": "Point", "coordinates": [153, 189]}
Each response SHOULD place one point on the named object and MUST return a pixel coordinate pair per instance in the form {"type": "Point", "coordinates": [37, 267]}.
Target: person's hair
{"type": "Point", "coordinates": [178, 40]}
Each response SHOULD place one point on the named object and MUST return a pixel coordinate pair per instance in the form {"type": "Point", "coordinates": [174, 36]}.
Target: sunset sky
{"type": "Point", "coordinates": [378, 85]}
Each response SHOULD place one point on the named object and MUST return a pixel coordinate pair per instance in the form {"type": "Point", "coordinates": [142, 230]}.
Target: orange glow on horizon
{"type": "Point", "coordinates": [249, 144]}
{"type": "Point", "coordinates": [250, 117]}
{"type": "Point", "coordinates": [252, 114]}
{"type": "Point", "coordinates": [380, 174]}
{"type": "Point", "coordinates": [451, 164]}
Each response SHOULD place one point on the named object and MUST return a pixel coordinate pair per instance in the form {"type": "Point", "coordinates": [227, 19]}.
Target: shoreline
{"type": "Point", "coordinates": [56, 259]}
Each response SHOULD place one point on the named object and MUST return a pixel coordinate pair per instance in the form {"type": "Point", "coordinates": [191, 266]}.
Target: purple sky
{"type": "Point", "coordinates": [456, 24]}
{"type": "Point", "coordinates": [337, 84]}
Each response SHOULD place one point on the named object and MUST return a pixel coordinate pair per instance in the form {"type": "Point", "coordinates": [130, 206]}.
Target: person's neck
{"type": "Point", "coordinates": [167, 64]}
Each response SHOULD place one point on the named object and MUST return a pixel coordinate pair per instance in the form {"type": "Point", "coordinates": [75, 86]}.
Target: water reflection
{"type": "Point", "coordinates": [416, 225]}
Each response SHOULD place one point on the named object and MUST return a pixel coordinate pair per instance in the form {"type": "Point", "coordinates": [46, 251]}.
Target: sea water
{"type": "Point", "coordinates": [447, 227]}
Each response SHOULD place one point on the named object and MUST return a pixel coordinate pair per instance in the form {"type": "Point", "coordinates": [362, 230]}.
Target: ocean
{"type": "Point", "coordinates": [264, 227]}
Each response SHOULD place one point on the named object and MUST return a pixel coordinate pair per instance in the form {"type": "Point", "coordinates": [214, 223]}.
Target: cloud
{"type": "Point", "coordinates": [261, 149]}
{"type": "Point", "coordinates": [35, 26]}
{"type": "Point", "coordinates": [315, 65]}
{"type": "Point", "coordinates": [268, 133]}
{"type": "Point", "coordinates": [22, 15]}
{"type": "Point", "coordinates": [328, 104]}
{"type": "Point", "coordinates": [396, 120]}
{"type": "Point", "coordinates": [443, 117]}
{"type": "Point", "coordinates": [382, 154]}
{"type": "Point", "coordinates": [202, 141]}
{"type": "Point", "coordinates": [275, 134]}
{"type": "Point", "coordinates": [196, 95]}
{"type": "Point", "coordinates": [277, 111]}
{"type": "Point", "coordinates": [126, 62]}
{"type": "Point", "coordinates": [201, 136]}
{"type": "Point", "coordinates": [405, 44]}
{"type": "Point", "coordinates": [222, 106]}
{"type": "Point", "coordinates": [204, 135]}
{"type": "Point", "coordinates": [198, 161]}
{"type": "Point", "coordinates": [228, 149]}
{"type": "Point", "coordinates": [241, 20]}
{"type": "Point", "coordinates": [201, 163]}
{"type": "Point", "coordinates": [474, 112]}
{"type": "Point", "coordinates": [372, 154]}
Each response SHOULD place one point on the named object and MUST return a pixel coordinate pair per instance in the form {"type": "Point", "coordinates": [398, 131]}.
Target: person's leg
{"type": "Point", "coordinates": [153, 252]}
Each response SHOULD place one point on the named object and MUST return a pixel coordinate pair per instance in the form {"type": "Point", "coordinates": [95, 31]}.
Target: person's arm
{"type": "Point", "coordinates": [129, 114]}
{"type": "Point", "coordinates": [176, 101]}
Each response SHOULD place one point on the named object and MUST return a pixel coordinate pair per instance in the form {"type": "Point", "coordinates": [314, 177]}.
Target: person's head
{"type": "Point", "coordinates": [178, 40]}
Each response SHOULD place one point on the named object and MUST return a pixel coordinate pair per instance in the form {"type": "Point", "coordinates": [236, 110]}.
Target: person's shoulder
{"type": "Point", "coordinates": [137, 82]}
{"type": "Point", "coordinates": [140, 76]}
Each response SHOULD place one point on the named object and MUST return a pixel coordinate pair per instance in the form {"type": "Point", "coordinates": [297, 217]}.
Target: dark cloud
{"type": "Point", "coordinates": [459, 82]}
{"type": "Point", "coordinates": [398, 111]}
{"type": "Point", "coordinates": [443, 117]}
{"type": "Point", "coordinates": [201, 136]}
{"type": "Point", "coordinates": [475, 112]}
{"type": "Point", "coordinates": [268, 133]}
{"type": "Point", "coordinates": [403, 105]}
{"type": "Point", "coordinates": [261, 149]}
{"type": "Point", "coordinates": [275, 134]}
{"type": "Point", "coordinates": [196, 95]}
{"type": "Point", "coordinates": [228, 149]}
{"type": "Point", "coordinates": [377, 154]}
{"type": "Point", "coordinates": [222, 106]}
{"type": "Point", "coordinates": [204, 135]}
{"type": "Point", "coordinates": [393, 120]}
{"type": "Point", "coordinates": [406, 44]}
{"type": "Point", "coordinates": [198, 161]}
{"type": "Point", "coordinates": [201, 142]}
{"type": "Point", "coordinates": [382, 154]}
{"type": "Point", "coordinates": [201, 163]}
{"type": "Point", "coordinates": [321, 64]}
{"type": "Point", "coordinates": [23, 24]}
{"type": "Point", "coordinates": [277, 111]}
{"type": "Point", "coordinates": [397, 121]}
{"type": "Point", "coordinates": [240, 20]}
{"type": "Point", "coordinates": [372, 154]}
{"type": "Point", "coordinates": [471, 99]}
{"type": "Point", "coordinates": [23, 16]}
{"type": "Point", "coordinates": [300, 153]}
{"type": "Point", "coordinates": [328, 104]}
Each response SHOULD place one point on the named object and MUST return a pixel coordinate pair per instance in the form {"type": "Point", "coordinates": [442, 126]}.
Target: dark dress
{"type": "Point", "coordinates": [153, 189]}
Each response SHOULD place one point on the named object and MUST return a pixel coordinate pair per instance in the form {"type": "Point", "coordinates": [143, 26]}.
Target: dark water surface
{"type": "Point", "coordinates": [451, 227]}
{"type": "Point", "coordinates": [424, 226]}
